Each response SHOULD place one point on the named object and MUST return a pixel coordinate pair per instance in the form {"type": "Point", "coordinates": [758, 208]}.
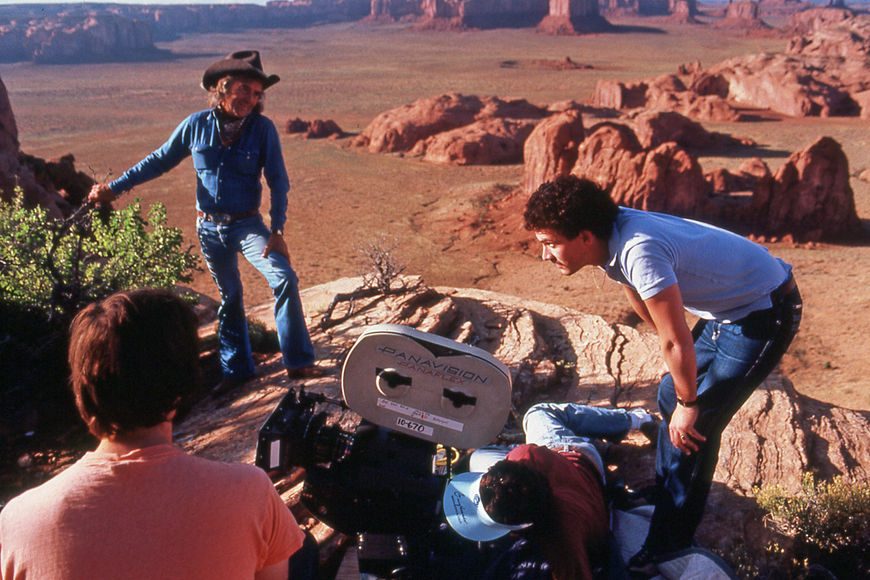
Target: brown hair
{"type": "Point", "coordinates": [134, 357]}
{"type": "Point", "coordinates": [217, 93]}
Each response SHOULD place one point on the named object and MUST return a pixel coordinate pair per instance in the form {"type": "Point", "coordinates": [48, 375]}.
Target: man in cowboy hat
{"type": "Point", "coordinates": [232, 145]}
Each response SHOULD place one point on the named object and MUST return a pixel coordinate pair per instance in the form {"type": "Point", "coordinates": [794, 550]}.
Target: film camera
{"type": "Point", "coordinates": [424, 401]}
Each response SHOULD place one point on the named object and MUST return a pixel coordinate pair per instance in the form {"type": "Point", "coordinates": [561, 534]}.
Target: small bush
{"type": "Point", "coordinates": [829, 523]}
{"type": "Point", "coordinates": [49, 270]}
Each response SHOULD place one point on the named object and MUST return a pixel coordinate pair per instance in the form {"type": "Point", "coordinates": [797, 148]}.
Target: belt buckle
{"type": "Point", "coordinates": [221, 219]}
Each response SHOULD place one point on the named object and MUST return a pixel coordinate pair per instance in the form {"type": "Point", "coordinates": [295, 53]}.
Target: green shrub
{"type": "Point", "coordinates": [49, 270]}
{"type": "Point", "coordinates": [829, 523]}
{"type": "Point", "coordinates": [59, 266]}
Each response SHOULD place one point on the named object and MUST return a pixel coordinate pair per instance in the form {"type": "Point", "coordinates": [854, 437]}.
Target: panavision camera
{"type": "Point", "coordinates": [424, 401]}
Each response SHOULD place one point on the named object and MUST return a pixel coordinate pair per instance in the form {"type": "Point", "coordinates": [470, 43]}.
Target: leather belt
{"type": "Point", "coordinates": [784, 289]}
{"type": "Point", "coordinates": [225, 219]}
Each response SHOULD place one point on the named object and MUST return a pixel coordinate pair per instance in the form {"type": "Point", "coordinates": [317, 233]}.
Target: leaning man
{"type": "Point", "coordinates": [749, 309]}
{"type": "Point", "coordinates": [232, 145]}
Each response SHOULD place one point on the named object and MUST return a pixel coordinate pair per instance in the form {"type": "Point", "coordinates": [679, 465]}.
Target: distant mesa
{"type": "Point", "coordinates": [98, 32]}
{"type": "Point", "coordinates": [73, 39]}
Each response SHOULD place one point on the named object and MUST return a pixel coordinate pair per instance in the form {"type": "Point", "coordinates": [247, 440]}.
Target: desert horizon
{"type": "Point", "coordinates": [111, 115]}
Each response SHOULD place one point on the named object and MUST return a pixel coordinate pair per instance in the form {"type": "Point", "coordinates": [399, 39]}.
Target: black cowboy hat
{"type": "Point", "coordinates": [243, 63]}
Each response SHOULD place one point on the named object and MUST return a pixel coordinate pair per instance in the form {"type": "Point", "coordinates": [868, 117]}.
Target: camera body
{"type": "Point", "coordinates": [424, 400]}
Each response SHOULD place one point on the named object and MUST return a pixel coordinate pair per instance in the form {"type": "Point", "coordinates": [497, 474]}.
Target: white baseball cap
{"type": "Point", "coordinates": [466, 514]}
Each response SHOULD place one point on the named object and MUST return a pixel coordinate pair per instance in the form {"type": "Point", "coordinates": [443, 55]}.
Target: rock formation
{"type": "Point", "coordinates": [55, 185]}
{"type": "Point", "coordinates": [823, 72]}
{"type": "Point", "coordinates": [664, 178]}
{"type": "Point", "coordinates": [457, 128]}
{"type": "Point", "coordinates": [317, 129]}
{"type": "Point", "coordinates": [809, 198]}
{"type": "Point", "coordinates": [490, 141]}
{"type": "Point", "coordinates": [559, 354]}
{"type": "Point", "coordinates": [551, 148]}
{"type": "Point", "coordinates": [666, 92]}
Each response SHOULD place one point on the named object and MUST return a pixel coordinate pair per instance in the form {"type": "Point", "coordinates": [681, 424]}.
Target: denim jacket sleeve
{"type": "Point", "coordinates": [276, 177]}
{"type": "Point", "coordinates": [161, 160]}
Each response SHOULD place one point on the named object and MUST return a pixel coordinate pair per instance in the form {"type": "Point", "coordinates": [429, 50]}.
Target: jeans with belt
{"type": "Point", "coordinates": [220, 246]}
{"type": "Point", "coordinates": [732, 359]}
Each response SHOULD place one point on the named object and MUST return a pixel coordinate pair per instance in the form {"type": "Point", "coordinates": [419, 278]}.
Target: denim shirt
{"type": "Point", "coordinates": [227, 177]}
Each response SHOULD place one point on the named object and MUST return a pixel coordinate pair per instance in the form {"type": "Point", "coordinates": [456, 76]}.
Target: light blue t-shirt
{"type": "Point", "coordinates": [721, 275]}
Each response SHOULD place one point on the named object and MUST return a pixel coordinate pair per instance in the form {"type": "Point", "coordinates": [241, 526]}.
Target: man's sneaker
{"type": "Point", "coordinates": [646, 423]}
{"type": "Point", "coordinates": [650, 429]}
{"type": "Point", "coordinates": [643, 564]}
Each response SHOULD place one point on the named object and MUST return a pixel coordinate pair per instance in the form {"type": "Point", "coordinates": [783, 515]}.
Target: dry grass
{"type": "Point", "coordinates": [111, 115]}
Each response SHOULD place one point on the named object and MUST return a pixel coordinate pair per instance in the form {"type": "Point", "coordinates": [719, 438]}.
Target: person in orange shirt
{"type": "Point", "coordinates": [138, 506]}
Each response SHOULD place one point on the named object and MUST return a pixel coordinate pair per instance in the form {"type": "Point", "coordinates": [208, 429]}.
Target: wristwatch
{"type": "Point", "coordinates": [687, 403]}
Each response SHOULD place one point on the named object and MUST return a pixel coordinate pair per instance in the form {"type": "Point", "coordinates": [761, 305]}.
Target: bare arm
{"type": "Point", "coordinates": [666, 314]}
{"type": "Point", "coordinates": [637, 304]}
{"type": "Point", "coordinates": [277, 571]}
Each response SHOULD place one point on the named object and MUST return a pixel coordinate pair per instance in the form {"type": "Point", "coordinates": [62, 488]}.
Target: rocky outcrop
{"type": "Point", "coordinates": [454, 128]}
{"type": "Point", "coordinates": [808, 199]}
{"type": "Point", "coordinates": [809, 196]}
{"type": "Point", "coordinates": [781, 83]}
{"type": "Point", "coordinates": [490, 141]}
{"type": "Point", "coordinates": [667, 92]}
{"type": "Point", "coordinates": [824, 72]}
{"type": "Point", "coordinates": [558, 354]}
{"type": "Point", "coordinates": [656, 127]}
{"type": "Point", "coordinates": [317, 129]}
{"type": "Point", "coordinates": [55, 185]}
{"type": "Point", "coordinates": [551, 149]}
{"type": "Point", "coordinates": [664, 178]}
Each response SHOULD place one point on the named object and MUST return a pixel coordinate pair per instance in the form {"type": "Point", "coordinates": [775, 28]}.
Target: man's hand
{"type": "Point", "coordinates": [276, 243]}
{"type": "Point", "coordinates": [101, 193]}
{"type": "Point", "coordinates": [682, 430]}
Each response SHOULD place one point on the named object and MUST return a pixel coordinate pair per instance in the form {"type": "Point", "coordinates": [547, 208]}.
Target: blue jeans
{"type": "Point", "coordinates": [221, 245]}
{"type": "Point", "coordinates": [575, 426]}
{"type": "Point", "coordinates": [733, 359]}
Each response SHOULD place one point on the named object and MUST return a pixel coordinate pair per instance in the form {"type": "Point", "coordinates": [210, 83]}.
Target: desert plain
{"type": "Point", "coordinates": [110, 115]}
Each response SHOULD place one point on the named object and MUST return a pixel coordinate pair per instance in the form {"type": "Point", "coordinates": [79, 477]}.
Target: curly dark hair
{"type": "Point", "coordinates": [569, 205]}
{"type": "Point", "coordinates": [515, 493]}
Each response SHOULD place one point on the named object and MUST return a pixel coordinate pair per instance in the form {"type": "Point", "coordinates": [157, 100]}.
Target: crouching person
{"type": "Point", "coordinates": [138, 506]}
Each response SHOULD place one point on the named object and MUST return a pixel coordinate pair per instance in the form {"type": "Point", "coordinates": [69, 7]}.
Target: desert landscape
{"type": "Point", "coordinates": [110, 115]}
{"type": "Point", "coordinates": [459, 226]}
